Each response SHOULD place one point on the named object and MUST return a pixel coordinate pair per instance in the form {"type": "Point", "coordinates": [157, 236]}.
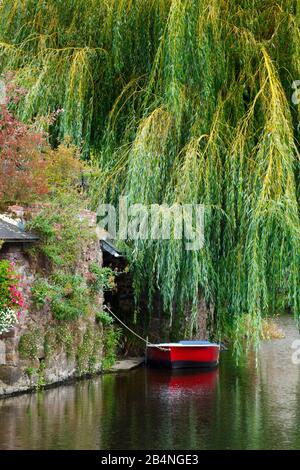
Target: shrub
{"type": "Point", "coordinates": [63, 233]}
{"type": "Point", "coordinates": [112, 336]}
{"type": "Point", "coordinates": [101, 278]}
{"type": "Point", "coordinates": [88, 351]}
{"type": "Point", "coordinates": [67, 293]}
{"type": "Point", "coordinates": [11, 298]}
{"type": "Point", "coordinates": [104, 318]}
{"type": "Point", "coordinates": [22, 162]}
{"type": "Point", "coordinates": [28, 344]}
{"type": "Point", "coordinates": [40, 292]}
{"type": "Point", "coordinates": [64, 169]}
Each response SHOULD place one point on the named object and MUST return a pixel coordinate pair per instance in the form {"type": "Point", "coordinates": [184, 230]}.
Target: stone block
{"type": "Point", "coordinates": [11, 351]}
{"type": "Point", "coordinates": [11, 358]}
{"type": "Point", "coordinates": [10, 374]}
{"type": "Point", "coordinates": [2, 353]}
{"type": "Point", "coordinates": [12, 333]}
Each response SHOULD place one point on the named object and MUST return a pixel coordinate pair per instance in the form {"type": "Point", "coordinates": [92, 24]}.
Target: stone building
{"type": "Point", "coordinates": [37, 330]}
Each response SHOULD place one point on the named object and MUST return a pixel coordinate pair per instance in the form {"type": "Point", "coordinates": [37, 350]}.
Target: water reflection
{"type": "Point", "coordinates": [230, 407]}
{"type": "Point", "coordinates": [178, 384]}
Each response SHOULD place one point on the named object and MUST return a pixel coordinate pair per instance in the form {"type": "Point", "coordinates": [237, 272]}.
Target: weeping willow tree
{"type": "Point", "coordinates": [180, 101]}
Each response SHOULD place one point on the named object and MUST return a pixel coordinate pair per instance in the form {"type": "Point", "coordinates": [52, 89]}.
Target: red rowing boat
{"type": "Point", "coordinates": [183, 354]}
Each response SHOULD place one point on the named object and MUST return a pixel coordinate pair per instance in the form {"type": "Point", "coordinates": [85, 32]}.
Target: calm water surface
{"type": "Point", "coordinates": [230, 408]}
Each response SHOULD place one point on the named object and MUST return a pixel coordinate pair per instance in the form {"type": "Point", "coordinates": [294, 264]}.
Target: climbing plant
{"type": "Point", "coordinates": [187, 102]}
{"type": "Point", "coordinates": [11, 296]}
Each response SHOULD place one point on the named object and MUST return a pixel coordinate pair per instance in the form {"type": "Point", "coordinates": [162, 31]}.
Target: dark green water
{"type": "Point", "coordinates": [231, 408]}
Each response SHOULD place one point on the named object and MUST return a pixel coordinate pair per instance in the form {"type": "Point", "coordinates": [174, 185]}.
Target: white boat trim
{"type": "Point", "coordinates": [178, 345]}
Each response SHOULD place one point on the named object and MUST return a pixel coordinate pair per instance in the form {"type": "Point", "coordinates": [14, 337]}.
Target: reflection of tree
{"type": "Point", "coordinates": [59, 418]}
{"type": "Point", "coordinates": [279, 384]}
{"type": "Point", "coordinates": [296, 434]}
{"type": "Point", "coordinates": [258, 408]}
{"type": "Point", "coordinates": [237, 415]}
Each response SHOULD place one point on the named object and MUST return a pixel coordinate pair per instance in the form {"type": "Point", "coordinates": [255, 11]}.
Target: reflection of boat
{"type": "Point", "coordinates": [185, 378]}
{"type": "Point", "coordinates": [180, 385]}
{"type": "Point", "coordinates": [183, 354]}
{"type": "Point", "coordinates": [207, 380]}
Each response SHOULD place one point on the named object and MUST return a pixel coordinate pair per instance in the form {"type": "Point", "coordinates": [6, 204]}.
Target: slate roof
{"type": "Point", "coordinates": [110, 248]}
{"type": "Point", "coordinates": [11, 233]}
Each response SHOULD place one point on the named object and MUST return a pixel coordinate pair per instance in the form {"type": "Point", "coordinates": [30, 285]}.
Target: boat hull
{"type": "Point", "coordinates": [180, 356]}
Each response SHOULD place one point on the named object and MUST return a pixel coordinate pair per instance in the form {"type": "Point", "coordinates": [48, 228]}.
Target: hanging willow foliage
{"type": "Point", "coordinates": [180, 101]}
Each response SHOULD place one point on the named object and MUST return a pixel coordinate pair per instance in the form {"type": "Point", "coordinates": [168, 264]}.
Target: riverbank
{"type": "Point", "coordinates": [59, 331]}
{"type": "Point", "coordinates": [122, 365]}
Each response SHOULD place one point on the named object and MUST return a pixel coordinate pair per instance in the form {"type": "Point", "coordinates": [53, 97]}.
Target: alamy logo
{"type": "Point", "coordinates": [2, 92]}
{"type": "Point", "coordinates": [296, 354]}
{"type": "Point", "coordinates": [296, 94]}
{"type": "Point", "coordinates": [154, 222]}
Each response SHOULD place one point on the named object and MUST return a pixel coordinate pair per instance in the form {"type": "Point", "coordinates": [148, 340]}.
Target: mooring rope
{"type": "Point", "coordinates": [105, 307]}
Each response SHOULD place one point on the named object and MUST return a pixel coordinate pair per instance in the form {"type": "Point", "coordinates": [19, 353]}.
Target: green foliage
{"type": "Point", "coordinates": [102, 278]}
{"type": "Point", "coordinates": [30, 371]}
{"type": "Point", "coordinates": [28, 344]}
{"type": "Point", "coordinates": [41, 381]}
{"type": "Point", "coordinates": [40, 292]}
{"type": "Point", "coordinates": [64, 168]}
{"type": "Point", "coordinates": [104, 318]}
{"type": "Point", "coordinates": [67, 294]}
{"type": "Point", "coordinates": [50, 344]}
{"type": "Point", "coordinates": [64, 233]}
{"type": "Point", "coordinates": [64, 338]}
{"type": "Point", "coordinates": [5, 283]}
{"type": "Point", "coordinates": [179, 101]}
{"type": "Point", "coordinates": [39, 373]}
{"type": "Point", "coordinates": [70, 295]}
{"type": "Point", "coordinates": [112, 337]}
{"type": "Point", "coordinates": [88, 352]}
{"type": "Point", "coordinates": [59, 338]}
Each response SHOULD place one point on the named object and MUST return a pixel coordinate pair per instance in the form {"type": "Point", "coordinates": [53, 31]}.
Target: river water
{"type": "Point", "coordinates": [234, 407]}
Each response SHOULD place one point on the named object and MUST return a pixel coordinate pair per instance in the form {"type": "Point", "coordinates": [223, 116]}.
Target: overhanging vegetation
{"type": "Point", "coordinates": [180, 101]}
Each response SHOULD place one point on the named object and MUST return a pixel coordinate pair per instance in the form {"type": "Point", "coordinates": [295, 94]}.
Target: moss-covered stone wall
{"type": "Point", "coordinates": [41, 349]}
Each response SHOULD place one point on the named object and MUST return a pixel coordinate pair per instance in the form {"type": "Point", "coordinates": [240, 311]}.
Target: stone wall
{"type": "Point", "coordinates": [40, 350]}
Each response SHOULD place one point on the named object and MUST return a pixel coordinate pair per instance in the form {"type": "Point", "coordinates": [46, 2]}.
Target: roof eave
{"type": "Point", "coordinates": [20, 240]}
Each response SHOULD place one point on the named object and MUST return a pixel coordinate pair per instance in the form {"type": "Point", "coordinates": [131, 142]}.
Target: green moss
{"type": "Point", "coordinates": [111, 340]}
{"type": "Point", "coordinates": [88, 352]}
{"type": "Point", "coordinates": [104, 318]}
{"type": "Point", "coordinates": [41, 379]}
{"type": "Point", "coordinates": [101, 278]}
{"type": "Point", "coordinates": [59, 338]}
{"type": "Point", "coordinates": [40, 291]}
{"type": "Point", "coordinates": [30, 371]}
{"type": "Point", "coordinates": [86, 347]}
{"type": "Point", "coordinates": [28, 344]}
{"type": "Point", "coordinates": [39, 373]}
{"type": "Point", "coordinates": [65, 339]}
{"type": "Point", "coordinates": [68, 295]}
{"type": "Point", "coordinates": [49, 343]}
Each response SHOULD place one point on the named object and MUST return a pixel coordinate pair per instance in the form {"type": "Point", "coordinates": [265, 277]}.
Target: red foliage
{"type": "Point", "coordinates": [22, 164]}
{"type": "Point", "coordinates": [11, 295]}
